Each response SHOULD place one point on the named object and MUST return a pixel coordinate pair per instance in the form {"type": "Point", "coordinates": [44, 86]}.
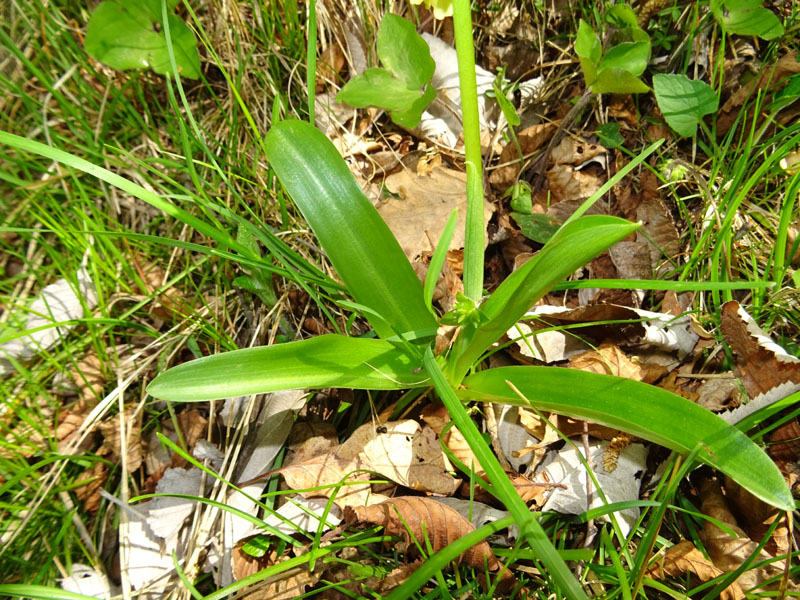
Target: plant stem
{"type": "Point", "coordinates": [528, 524]}
{"type": "Point", "coordinates": [311, 58]}
{"type": "Point", "coordinates": [475, 234]}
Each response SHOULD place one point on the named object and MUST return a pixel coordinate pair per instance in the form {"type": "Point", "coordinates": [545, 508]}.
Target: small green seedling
{"type": "Point", "coordinates": [617, 70]}
{"type": "Point", "coordinates": [537, 227]}
{"type": "Point", "coordinates": [130, 35]}
{"type": "Point", "coordinates": [684, 102]}
{"type": "Point", "coordinates": [403, 86]}
{"type": "Point", "coordinates": [746, 17]}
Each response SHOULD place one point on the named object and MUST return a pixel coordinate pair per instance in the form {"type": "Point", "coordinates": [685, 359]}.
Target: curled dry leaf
{"type": "Point", "coordinates": [415, 519]}
{"type": "Point", "coordinates": [608, 359]}
{"type": "Point", "coordinates": [767, 371]}
{"type": "Point", "coordinates": [684, 558]}
{"type": "Point", "coordinates": [530, 140]}
{"type": "Point", "coordinates": [110, 430]}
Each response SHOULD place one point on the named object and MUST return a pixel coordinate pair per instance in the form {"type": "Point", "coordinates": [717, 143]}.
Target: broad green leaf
{"type": "Point", "coordinates": [355, 238]}
{"type": "Point", "coordinates": [631, 57]}
{"type": "Point", "coordinates": [747, 17]}
{"type": "Point", "coordinates": [624, 19]}
{"type": "Point", "coordinates": [573, 246]}
{"type": "Point", "coordinates": [618, 81]}
{"type": "Point", "coordinates": [587, 44]}
{"type": "Point", "coordinates": [683, 101]}
{"type": "Point", "coordinates": [403, 52]}
{"type": "Point", "coordinates": [127, 35]}
{"type": "Point", "coordinates": [378, 87]}
{"type": "Point", "coordinates": [320, 362]}
{"type": "Point", "coordinates": [642, 410]}
{"type": "Point", "coordinates": [410, 118]}
{"type": "Point", "coordinates": [537, 227]}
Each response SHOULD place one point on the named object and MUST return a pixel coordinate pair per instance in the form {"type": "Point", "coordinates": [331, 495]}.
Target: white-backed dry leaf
{"type": "Point", "coordinates": [145, 557]}
{"type": "Point", "coordinates": [407, 454]}
{"type": "Point", "coordinates": [303, 514]}
{"type": "Point", "coordinates": [768, 372]}
{"type": "Point", "coordinates": [684, 558]}
{"type": "Point", "coordinates": [58, 302]}
{"type": "Point", "coordinates": [323, 474]}
{"type": "Point", "coordinates": [423, 206]}
{"type": "Point", "coordinates": [622, 484]}
{"type": "Point", "coordinates": [89, 582]}
{"type": "Point", "coordinates": [166, 515]}
{"type": "Point", "coordinates": [442, 119]}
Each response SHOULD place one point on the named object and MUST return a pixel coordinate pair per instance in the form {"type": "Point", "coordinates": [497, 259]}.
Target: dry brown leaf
{"type": "Point", "coordinates": [684, 558]}
{"type": "Point", "coordinates": [437, 418]}
{"type": "Point", "coordinates": [403, 452]}
{"type": "Point", "coordinates": [423, 206]}
{"type": "Point", "coordinates": [756, 517]}
{"type": "Point", "coordinates": [608, 359]}
{"type": "Point", "coordinates": [110, 430]}
{"type": "Point", "coordinates": [417, 519]}
{"type": "Point", "coordinates": [530, 140]}
{"type": "Point", "coordinates": [89, 492]}
{"type": "Point", "coordinates": [727, 552]}
{"type": "Point", "coordinates": [327, 471]}
{"type": "Point", "coordinates": [285, 586]}
{"type": "Point", "coordinates": [784, 442]}
{"type": "Point", "coordinates": [764, 367]}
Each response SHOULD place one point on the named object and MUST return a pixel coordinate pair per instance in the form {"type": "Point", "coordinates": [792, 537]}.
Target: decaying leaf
{"type": "Point", "coordinates": [89, 492]}
{"type": "Point", "coordinates": [608, 359]}
{"type": "Point", "coordinates": [767, 371]}
{"type": "Point", "coordinates": [728, 552]}
{"type": "Point", "coordinates": [684, 558]}
{"type": "Point", "coordinates": [416, 519]}
{"type": "Point", "coordinates": [419, 211]}
{"type": "Point", "coordinates": [110, 430]}
{"type": "Point", "coordinates": [530, 140]}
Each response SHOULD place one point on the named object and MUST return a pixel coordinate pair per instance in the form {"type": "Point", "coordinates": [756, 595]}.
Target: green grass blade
{"type": "Point", "coordinates": [125, 185]}
{"type": "Point", "coordinates": [357, 241]}
{"type": "Point", "coordinates": [573, 246]}
{"type": "Point", "coordinates": [22, 590]}
{"type": "Point", "coordinates": [438, 258]}
{"type": "Point", "coordinates": [529, 526]}
{"type": "Point", "coordinates": [643, 410]}
{"type": "Point", "coordinates": [321, 362]}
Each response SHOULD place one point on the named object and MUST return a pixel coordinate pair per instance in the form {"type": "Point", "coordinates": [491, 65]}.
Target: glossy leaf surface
{"type": "Point", "coordinates": [573, 246]}
{"type": "Point", "coordinates": [320, 362]}
{"type": "Point", "coordinates": [354, 236]}
{"type": "Point", "coordinates": [642, 410]}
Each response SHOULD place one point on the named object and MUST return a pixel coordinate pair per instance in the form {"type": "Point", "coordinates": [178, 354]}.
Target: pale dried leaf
{"type": "Point", "coordinates": [622, 484]}
{"type": "Point", "coordinates": [89, 582]}
{"type": "Point", "coordinates": [166, 515]}
{"type": "Point", "coordinates": [56, 303]}
{"type": "Point", "coordinates": [418, 216]}
{"type": "Point", "coordinates": [304, 514]}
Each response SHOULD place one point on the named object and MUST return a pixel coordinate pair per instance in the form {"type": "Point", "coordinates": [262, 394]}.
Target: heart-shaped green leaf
{"type": "Point", "coordinates": [683, 101]}
{"type": "Point", "coordinates": [128, 35]}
